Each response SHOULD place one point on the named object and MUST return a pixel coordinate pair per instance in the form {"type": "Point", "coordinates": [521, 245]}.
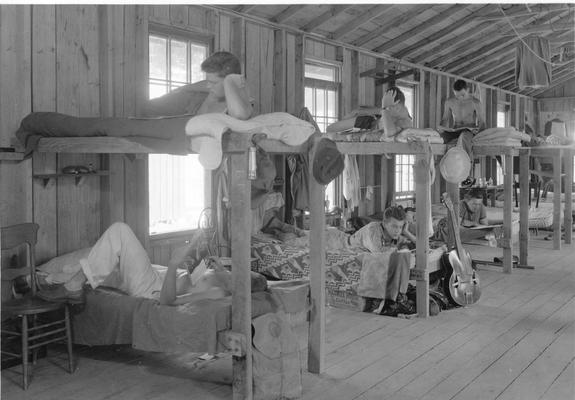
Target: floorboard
{"type": "Point", "coordinates": [517, 342]}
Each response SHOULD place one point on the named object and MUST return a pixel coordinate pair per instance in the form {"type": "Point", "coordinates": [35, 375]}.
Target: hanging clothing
{"type": "Point", "coordinates": [299, 180]}
{"type": "Point", "coordinates": [351, 181]}
{"type": "Point", "coordinates": [533, 63]}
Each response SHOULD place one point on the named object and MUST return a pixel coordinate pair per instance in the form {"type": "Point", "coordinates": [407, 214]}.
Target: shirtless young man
{"type": "Point", "coordinates": [462, 118]}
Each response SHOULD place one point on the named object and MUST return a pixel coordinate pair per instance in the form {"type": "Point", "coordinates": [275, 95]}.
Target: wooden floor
{"type": "Point", "coordinates": [517, 342]}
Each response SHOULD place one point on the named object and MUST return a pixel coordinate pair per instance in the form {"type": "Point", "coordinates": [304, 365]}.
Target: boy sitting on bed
{"type": "Point", "coordinates": [118, 260]}
{"type": "Point", "coordinates": [378, 237]}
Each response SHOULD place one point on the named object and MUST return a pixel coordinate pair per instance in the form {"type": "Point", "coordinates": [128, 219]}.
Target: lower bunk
{"type": "Point", "coordinates": [351, 276]}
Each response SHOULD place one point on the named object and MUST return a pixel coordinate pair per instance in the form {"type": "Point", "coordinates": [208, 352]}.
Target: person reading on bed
{"type": "Point", "coordinates": [462, 119]}
{"type": "Point", "coordinates": [381, 237]}
{"type": "Point", "coordinates": [472, 214]}
{"type": "Point", "coordinates": [118, 260]}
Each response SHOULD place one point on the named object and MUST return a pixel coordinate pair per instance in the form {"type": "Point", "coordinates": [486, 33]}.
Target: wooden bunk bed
{"type": "Point", "coordinates": [236, 146]}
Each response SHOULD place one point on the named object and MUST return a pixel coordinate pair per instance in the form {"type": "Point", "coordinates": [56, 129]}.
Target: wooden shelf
{"type": "Point", "coordinates": [11, 155]}
{"type": "Point", "coordinates": [78, 177]}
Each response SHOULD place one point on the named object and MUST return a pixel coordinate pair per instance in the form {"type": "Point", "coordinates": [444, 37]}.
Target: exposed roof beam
{"type": "Point", "coordinates": [395, 77]}
{"type": "Point", "coordinates": [441, 33]}
{"type": "Point", "coordinates": [488, 48]}
{"type": "Point", "coordinates": [550, 27]}
{"type": "Point", "coordinates": [463, 37]}
{"type": "Point", "coordinates": [501, 76]}
{"type": "Point", "coordinates": [503, 68]}
{"type": "Point", "coordinates": [287, 13]}
{"type": "Point", "coordinates": [440, 17]}
{"type": "Point", "coordinates": [323, 18]}
{"type": "Point", "coordinates": [481, 69]}
{"type": "Point", "coordinates": [521, 11]}
{"type": "Point", "coordinates": [361, 19]}
{"type": "Point", "coordinates": [407, 16]}
{"type": "Point", "coordinates": [245, 8]}
{"type": "Point", "coordinates": [467, 46]}
{"type": "Point", "coordinates": [377, 71]}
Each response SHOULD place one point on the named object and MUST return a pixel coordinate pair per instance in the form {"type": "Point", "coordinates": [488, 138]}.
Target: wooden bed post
{"type": "Point", "coordinates": [568, 213]}
{"type": "Point", "coordinates": [525, 193]}
{"type": "Point", "coordinates": [316, 336]}
{"type": "Point", "coordinates": [421, 170]}
{"type": "Point", "coordinates": [242, 384]}
{"type": "Point", "coordinates": [507, 212]}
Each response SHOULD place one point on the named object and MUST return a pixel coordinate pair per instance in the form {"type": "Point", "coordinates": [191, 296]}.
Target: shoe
{"type": "Point", "coordinates": [389, 308]}
{"type": "Point", "coordinates": [59, 294]}
{"type": "Point", "coordinates": [371, 304]}
{"type": "Point", "coordinates": [467, 183]}
{"type": "Point", "coordinates": [404, 305]}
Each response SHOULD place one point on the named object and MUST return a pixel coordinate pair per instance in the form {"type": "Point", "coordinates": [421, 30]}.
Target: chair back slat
{"type": "Point", "coordinates": [17, 235]}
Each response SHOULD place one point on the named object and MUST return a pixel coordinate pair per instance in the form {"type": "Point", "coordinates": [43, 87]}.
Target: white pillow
{"type": "Point", "coordinates": [206, 131]}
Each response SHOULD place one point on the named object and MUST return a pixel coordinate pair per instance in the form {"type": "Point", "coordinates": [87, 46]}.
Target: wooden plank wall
{"type": "Point", "coordinates": [91, 60]}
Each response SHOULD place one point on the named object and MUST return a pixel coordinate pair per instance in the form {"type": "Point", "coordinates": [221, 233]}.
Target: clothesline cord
{"type": "Point", "coordinates": [525, 43]}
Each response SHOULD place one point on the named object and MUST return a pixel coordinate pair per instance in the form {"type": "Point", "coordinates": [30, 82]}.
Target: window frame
{"type": "Point", "coordinates": [407, 195]}
{"type": "Point", "coordinates": [335, 186]}
{"type": "Point", "coordinates": [189, 36]}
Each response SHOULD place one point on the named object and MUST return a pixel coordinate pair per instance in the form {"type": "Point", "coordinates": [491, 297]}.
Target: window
{"type": "Point", "coordinates": [322, 81]}
{"type": "Point", "coordinates": [177, 184]}
{"type": "Point", "coordinates": [404, 183]}
{"type": "Point", "coordinates": [502, 122]}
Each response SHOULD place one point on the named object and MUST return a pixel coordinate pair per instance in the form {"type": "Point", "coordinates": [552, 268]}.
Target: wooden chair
{"type": "Point", "coordinates": [40, 322]}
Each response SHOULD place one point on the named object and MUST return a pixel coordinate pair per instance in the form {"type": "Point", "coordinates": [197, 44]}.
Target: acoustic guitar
{"type": "Point", "coordinates": [463, 283]}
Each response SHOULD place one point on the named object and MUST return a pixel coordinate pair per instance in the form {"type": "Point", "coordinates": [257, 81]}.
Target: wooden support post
{"type": "Point", "coordinates": [421, 170]}
{"type": "Point", "coordinates": [316, 341]}
{"type": "Point", "coordinates": [568, 155]}
{"type": "Point", "coordinates": [557, 198]}
{"type": "Point", "coordinates": [241, 283]}
{"type": "Point", "coordinates": [524, 176]}
{"type": "Point", "coordinates": [507, 213]}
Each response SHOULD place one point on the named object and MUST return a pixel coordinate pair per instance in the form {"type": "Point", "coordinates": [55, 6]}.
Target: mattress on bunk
{"type": "Point", "coordinates": [166, 134]}
{"type": "Point", "coordinates": [110, 317]}
{"type": "Point", "coordinates": [345, 268]}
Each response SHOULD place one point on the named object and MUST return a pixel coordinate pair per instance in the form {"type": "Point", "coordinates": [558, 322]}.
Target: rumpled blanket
{"type": "Point", "coordinates": [166, 135]}
{"type": "Point", "coordinates": [500, 136]}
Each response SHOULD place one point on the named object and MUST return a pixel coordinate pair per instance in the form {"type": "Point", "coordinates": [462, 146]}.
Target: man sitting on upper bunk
{"type": "Point", "coordinates": [462, 119]}
{"type": "Point", "coordinates": [119, 261]}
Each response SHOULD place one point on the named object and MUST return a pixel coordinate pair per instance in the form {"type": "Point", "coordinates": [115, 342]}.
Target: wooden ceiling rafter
{"type": "Point", "coordinates": [521, 11]}
{"type": "Point", "coordinates": [467, 47]}
{"type": "Point", "coordinates": [440, 34]}
{"type": "Point", "coordinates": [487, 48]}
{"type": "Point", "coordinates": [325, 17]}
{"type": "Point", "coordinates": [545, 28]}
{"type": "Point", "coordinates": [483, 68]}
{"type": "Point", "coordinates": [492, 74]}
{"type": "Point", "coordinates": [445, 45]}
{"type": "Point", "coordinates": [358, 21]}
{"type": "Point", "coordinates": [440, 17]}
{"type": "Point", "coordinates": [287, 13]}
{"type": "Point", "coordinates": [407, 16]}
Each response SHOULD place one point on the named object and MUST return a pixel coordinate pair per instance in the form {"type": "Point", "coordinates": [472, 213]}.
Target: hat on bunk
{"type": "Point", "coordinates": [327, 161]}
{"type": "Point", "coordinates": [455, 165]}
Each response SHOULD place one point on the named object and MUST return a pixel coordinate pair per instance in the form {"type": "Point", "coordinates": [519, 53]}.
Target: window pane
{"type": "Point", "coordinates": [179, 60]}
{"type": "Point", "coordinates": [157, 89]}
{"type": "Point", "coordinates": [309, 103]}
{"type": "Point", "coordinates": [323, 73]}
{"type": "Point", "coordinates": [409, 93]}
{"type": "Point", "coordinates": [198, 53]}
{"type": "Point", "coordinates": [158, 65]}
{"type": "Point", "coordinates": [176, 192]}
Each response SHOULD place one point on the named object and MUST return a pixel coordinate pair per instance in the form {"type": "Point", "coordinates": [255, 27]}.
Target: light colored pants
{"type": "Point", "coordinates": [119, 260]}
